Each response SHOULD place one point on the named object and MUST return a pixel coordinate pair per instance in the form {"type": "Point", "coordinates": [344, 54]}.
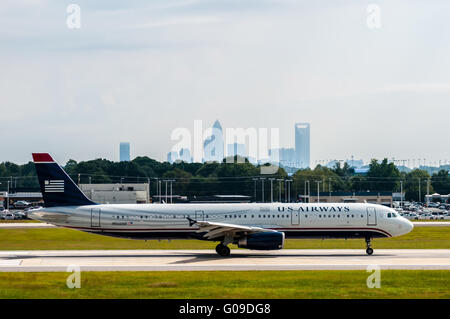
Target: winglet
{"type": "Point", "coordinates": [191, 221]}
{"type": "Point", "coordinates": [42, 158]}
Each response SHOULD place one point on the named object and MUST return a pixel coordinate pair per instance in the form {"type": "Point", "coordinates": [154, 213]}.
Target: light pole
{"type": "Point", "coordinates": [309, 191]}
{"type": "Point", "coordinates": [271, 189]}
{"type": "Point", "coordinates": [166, 190]}
{"type": "Point", "coordinates": [318, 190]}
{"type": "Point", "coordinates": [149, 190]}
{"type": "Point", "coordinates": [285, 190]}
{"type": "Point", "coordinates": [159, 190]}
{"type": "Point", "coordinates": [401, 193]}
{"type": "Point", "coordinates": [171, 194]}
{"type": "Point", "coordinates": [7, 198]}
{"type": "Point", "coordinates": [419, 190]}
{"type": "Point", "coordinates": [289, 190]}
{"type": "Point", "coordinates": [304, 195]}
{"type": "Point", "coordinates": [329, 187]}
{"type": "Point", "coordinates": [262, 188]}
{"type": "Point", "coordinates": [279, 188]}
{"type": "Point", "coordinates": [254, 196]}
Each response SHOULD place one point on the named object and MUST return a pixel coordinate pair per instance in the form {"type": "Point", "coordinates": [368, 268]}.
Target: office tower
{"type": "Point", "coordinates": [236, 149]}
{"type": "Point", "coordinates": [172, 157]}
{"type": "Point", "coordinates": [213, 147]}
{"type": "Point", "coordinates": [124, 152]}
{"type": "Point", "coordinates": [185, 155]}
{"type": "Point", "coordinates": [302, 145]}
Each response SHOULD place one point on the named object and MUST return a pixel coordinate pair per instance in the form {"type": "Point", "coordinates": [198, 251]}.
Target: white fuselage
{"type": "Point", "coordinates": [157, 221]}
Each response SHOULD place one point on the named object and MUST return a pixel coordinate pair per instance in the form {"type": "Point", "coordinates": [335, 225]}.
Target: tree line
{"type": "Point", "coordinates": [238, 178]}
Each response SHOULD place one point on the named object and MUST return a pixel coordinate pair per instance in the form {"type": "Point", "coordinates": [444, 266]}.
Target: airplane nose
{"type": "Point", "coordinates": [410, 226]}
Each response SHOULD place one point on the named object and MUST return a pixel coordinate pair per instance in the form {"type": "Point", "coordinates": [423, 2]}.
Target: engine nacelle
{"type": "Point", "coordinates": [262, 241]}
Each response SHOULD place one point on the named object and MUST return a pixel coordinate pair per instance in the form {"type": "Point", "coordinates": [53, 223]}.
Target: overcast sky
{"type": "Point", "coordinates": [136, 70]}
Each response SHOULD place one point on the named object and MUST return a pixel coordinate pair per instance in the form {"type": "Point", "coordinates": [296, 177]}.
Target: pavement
{"type": "Point", "coordinates": [203, 260]}
{"type": "Point", "coordinates": [25, 225]}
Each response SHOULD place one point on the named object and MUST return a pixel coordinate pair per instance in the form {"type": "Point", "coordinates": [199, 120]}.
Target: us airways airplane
{"type": "Point", "coordinates": [259, 226]}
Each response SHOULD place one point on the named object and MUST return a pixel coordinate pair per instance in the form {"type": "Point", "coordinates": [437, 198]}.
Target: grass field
{"type": "Point", "coordinates": [222, 284]}
{"type": "Point", "coordinates": [60, 238]}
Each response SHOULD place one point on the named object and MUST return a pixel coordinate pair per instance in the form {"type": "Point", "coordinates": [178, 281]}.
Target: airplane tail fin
{"type": "Point", "coordinates": [57, 188]}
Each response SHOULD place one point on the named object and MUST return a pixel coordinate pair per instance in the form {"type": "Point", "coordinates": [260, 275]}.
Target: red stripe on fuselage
{"type": "Point", "coordinates": [195, 229]}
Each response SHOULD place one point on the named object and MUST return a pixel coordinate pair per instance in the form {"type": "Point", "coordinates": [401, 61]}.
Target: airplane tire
{"type": "Point", "coordinates": [369, 251]}
{"type": "Point", "coordinates": [223, 250]}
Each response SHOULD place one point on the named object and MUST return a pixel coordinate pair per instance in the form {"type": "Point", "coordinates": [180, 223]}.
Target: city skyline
{"type": "Point", "coordinates": [138, 70]}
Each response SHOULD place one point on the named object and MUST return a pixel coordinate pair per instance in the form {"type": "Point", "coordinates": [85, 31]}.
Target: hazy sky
{"type": "Point", "coordinates": [136, 70]}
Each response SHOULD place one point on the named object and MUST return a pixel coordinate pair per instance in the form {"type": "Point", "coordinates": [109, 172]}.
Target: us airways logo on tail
{"type": "Point", "coordinates": [54, 186]}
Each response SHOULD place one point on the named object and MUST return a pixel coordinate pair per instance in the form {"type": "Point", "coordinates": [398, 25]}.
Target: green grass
{"type": "Point", "coordinates": [223, 284]}
{"type": "Point", "coordinates": [61, 238]}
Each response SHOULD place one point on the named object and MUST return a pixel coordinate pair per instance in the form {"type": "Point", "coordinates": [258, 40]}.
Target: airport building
{"type": "Point", "coordinates": [117, 193]}
{"type": "Point", "coordinates": [302, 145]}
{"type": "Point", "coordinates": [380, 198]}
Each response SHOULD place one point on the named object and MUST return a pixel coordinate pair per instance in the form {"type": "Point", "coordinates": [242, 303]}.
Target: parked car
{"type": "Point", "coordinates": [9, 216]}
{"type": "Point", "coordinates": [20, 204]}
{"type": "Point", "coordinates": [20, 215]}
{"type": "Point", "coordinates": [411, 216]}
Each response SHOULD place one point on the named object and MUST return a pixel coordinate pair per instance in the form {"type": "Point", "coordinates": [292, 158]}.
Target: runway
{"type": "Point", "coordinates": [203, 260]}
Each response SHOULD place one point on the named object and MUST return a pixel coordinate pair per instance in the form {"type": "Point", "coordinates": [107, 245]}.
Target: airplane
{"type": "Point", "coordinates": [255, 226]}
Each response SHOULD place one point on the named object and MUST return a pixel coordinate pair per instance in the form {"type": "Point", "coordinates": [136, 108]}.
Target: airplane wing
{"type": "Point", "coordinates": [215, 230]}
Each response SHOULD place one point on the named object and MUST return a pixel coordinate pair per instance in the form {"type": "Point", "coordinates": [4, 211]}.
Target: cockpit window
{"type": "Point", "coordinates": [389, 215]}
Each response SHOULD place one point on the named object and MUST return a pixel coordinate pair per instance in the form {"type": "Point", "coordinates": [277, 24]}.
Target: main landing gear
{"type": "Point", "coordinates": [223, 250]}
{"type": "Point", "coordinates": [369, 250]}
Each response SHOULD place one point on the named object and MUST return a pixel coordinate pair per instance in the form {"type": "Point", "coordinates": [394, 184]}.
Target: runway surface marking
{"type": "Point", "coordinates": [169, 260]}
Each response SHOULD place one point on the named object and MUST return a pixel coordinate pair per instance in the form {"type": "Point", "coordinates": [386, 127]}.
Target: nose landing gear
{"type": "Point", "coordinates": [369, 250]}
{"type": "Point", "coordinates": [223, 250]}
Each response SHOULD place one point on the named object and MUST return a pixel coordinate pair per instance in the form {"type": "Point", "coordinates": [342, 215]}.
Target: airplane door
{"type": "Point", "coordinates": [95, 217]}
{"type": "Point", "coordinates": [199, 215]}
{"type": "Point", "coordinates": [371, 216]}
{"type": "Point", "coordinates": [295, 217]}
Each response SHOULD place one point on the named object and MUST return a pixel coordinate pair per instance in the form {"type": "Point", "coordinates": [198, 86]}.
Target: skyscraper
{"type": "Point", "coordinates": [185, 155]}
{"type": "Point", "coordinates": [124, 152]}
{"type": "Point", "coordinates": [213, 147]}
{"type": "Point", "coordinates": [302, 145]}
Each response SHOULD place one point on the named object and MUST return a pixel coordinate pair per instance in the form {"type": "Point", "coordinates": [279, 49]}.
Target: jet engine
{"type": "Point", "coordinates": [262, 241]}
